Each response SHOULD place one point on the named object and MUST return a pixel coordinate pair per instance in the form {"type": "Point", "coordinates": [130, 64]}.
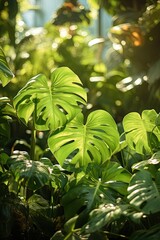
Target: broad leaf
{"type": "Point", "coordinates": [100, 184]}
{"type": "Point", "coordinates": [137, 129]}
{"type": "Point", "coordinates": [41, 214]}
{"type": "Point", "coordinates": [152, 164]}
{"type": "Point", "coordinates": [53, 103]}
{"type": "Point", "coordinates": [143, 193]}
{"type": "Point", "coordinates": [5, 73]}
{"type": "Point", "coordinates": [104, 215]}
{"type": "Point", "coordinates": [6, 111]}
{"type": "Point", "coordinates": [83, 143]}
{"type": "Point", "coordinates": [34, 174]}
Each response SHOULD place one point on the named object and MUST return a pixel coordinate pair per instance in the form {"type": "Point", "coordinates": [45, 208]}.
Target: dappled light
{"type": "Point", "coordinates": [79, 119]}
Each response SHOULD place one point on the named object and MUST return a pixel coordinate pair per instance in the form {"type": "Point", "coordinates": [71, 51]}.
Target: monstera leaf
{"type": "Point", "coordinates": [137, 129]}
{"type": "Point", "coordinates": [53, 103]}
{"type": "Point", "coordinates": [102, 216]}
{"type": "Point", "coordinates": [6, 112]}
{"type": "Point", "coordinates": [83, 143]}
{"type": "Point", "coordinates": [101, 183]}
{"type": "Point", "coordinates": [5, 73]}
{"type": "Point", "coordinates": [34, 174]}
{"type": "Point", "coordinates": [143, 192]}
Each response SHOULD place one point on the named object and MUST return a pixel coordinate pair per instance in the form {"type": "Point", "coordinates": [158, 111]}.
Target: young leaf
{"type": "Point", "coordinates": [5, 73]}
{"type": "Point", "coordinates": [53, 103]}
{"type": "Point", "coordinates": [137, 128]}
{"type": "Point", "coordinates": [94, 141]}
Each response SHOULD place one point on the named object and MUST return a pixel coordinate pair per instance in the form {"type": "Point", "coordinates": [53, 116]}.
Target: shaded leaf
{"type": "Point", "coordinates": [152, 233]}
{"type": "Point", "coordinates": [143, 192]}
{"type": "Point", "coordinates": [5, 73]}
{"type": "Point", "coordinates": [151, 164]}
{"type": "Point", "coordinates": [101, 217]}
{"type": "Point", "coordinates": [100, 184]}
{"type": "Point", "coordinates": [34, 174]}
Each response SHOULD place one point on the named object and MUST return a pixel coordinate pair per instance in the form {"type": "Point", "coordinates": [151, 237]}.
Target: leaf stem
{"type": "Point", "coordinates": [33, 134]}
{"type": "Point", "coordinates": [33, 143]}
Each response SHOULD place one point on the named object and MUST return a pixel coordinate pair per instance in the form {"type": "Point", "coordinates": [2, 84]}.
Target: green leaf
{"type": "Point", "coordinates": [102, 216]}
{"type": "Point", "coordinates": [143, 193]}
{"type": "Point", "coordinates": [137, 128]}
{"type": "Point", "coordinates": [152, 233]}
{"type": "Point", "coordinates": [34, 174]}
{"type": "Point", "coordinates": [6, 112]}
{"type": "Point", "coordinates": [151, 164]}
{"type": "Point", "coordinates": [54, 103]}
{"type": "Point", "coordinates": [100, 184]}
{"type": "Point", "coordinates": [94, 141]}
{"type": "Point", "coordinates": [5, 73]}
{"type": "Point", "coordinates": [70, 224]}
{"type": "Point", "coordinates": [4, 131]}
{"type": "Point", "coordinates": [5, 108]}
{"type": "Point", "coordinates": [58, 236]}
{"type": "Point", "coordinates": [39, 210]}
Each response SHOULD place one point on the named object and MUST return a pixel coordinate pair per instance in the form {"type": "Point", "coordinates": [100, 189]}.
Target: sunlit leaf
{"type": "Point", "coordinates": [96, 140]}
{"type": "Point", "coordinates": [53, 103]}
{"type": "Point", "coordinates": [5, 73]}
{"type": "Point", "coordinates": [137, 128]}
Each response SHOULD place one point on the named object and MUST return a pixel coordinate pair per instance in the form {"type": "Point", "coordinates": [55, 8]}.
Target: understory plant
{"type": "Point", "coordinates": [81, 177]}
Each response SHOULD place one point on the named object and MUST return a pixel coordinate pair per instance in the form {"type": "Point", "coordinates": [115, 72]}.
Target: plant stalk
{"type": "Point", "coordinates": [33, 135]}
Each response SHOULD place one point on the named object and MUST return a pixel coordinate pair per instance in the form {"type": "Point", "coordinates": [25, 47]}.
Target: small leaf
{"type": "Point", "coordinates": [137, 128]}
{"type": "Point", "coordinates": [5, 73]}
{"type": "Point", "coordinates": [70, 224]}
{"type": "Point", "coordinates": [149, 164]}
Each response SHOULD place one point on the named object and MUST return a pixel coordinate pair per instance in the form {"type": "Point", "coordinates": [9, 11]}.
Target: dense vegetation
{"type": "Point", "coordinates": [79, 135]}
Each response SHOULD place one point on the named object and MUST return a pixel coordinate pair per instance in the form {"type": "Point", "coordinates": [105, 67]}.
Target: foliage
{"type": "Point", "coordinates": [82, 189]}
{"type": "Point", "coordinates": [79, 175]}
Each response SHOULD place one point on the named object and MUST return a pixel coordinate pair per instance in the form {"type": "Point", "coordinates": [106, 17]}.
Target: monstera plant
{"type": "Point", "coordinates": [83, 188]}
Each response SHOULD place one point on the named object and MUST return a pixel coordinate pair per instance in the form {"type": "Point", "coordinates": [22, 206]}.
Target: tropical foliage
{"type": "Point", "coordinates": [91, 183]}
{"type": "Point", "coordinates": [79, 152]}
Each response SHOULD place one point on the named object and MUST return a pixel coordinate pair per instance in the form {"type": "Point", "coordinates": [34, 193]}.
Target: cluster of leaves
{"type": "Point", "coordinates": [132, 72]}
{"type": "Point", "coordinates": [94, 184]}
